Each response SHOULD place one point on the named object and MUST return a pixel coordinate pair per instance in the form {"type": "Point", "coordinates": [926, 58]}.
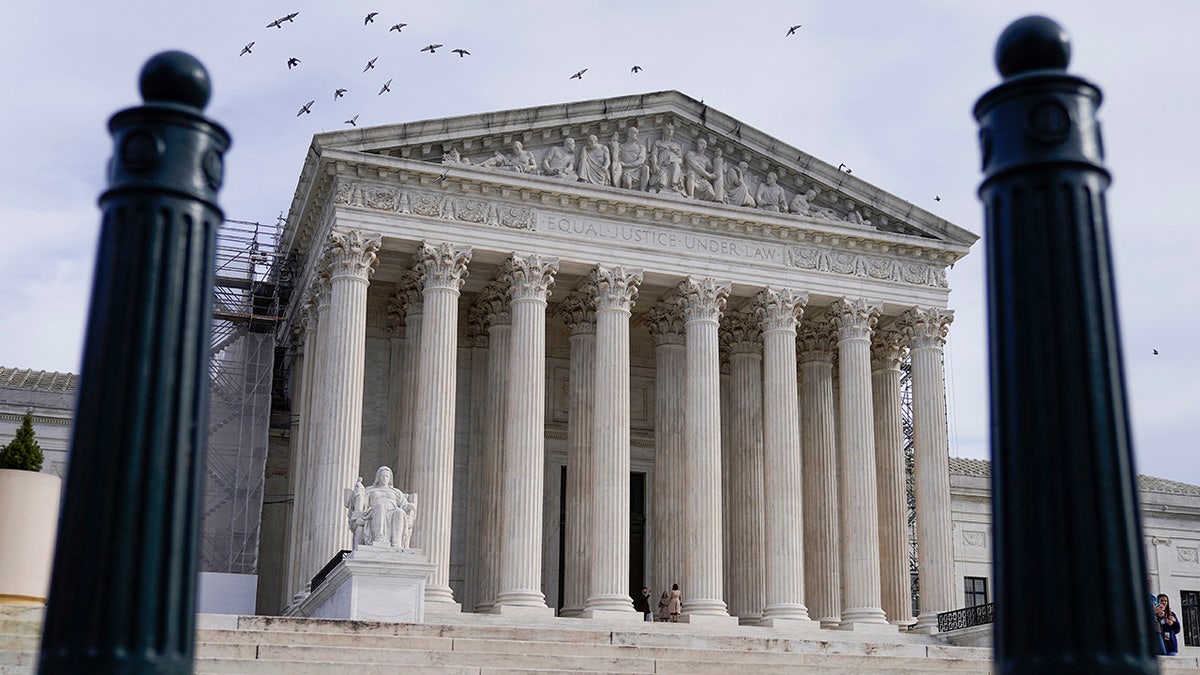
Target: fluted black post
{"type": "Point", "coordinates": [122, 594]}
{"type": "Point", "coordinates": [1070, 568]}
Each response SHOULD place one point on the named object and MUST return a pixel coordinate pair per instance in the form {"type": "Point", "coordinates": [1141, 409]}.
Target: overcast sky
{"type": "Point", "coordinates": [885, 87]}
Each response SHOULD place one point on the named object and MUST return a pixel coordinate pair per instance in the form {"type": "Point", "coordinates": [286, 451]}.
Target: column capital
{"type": "Point", "coordinates": [352, 253]}
{"type": "Point", "coordinates": [854, 319]}
{"type": "Point", "coordinates": [476, 330]}
{"type": "Point", "coordinates": [887, 348]}
{"type": "Point", "coordinates": [616, 287]}
{"type": "Point", "coordinates": [442, 265]}
{"type": "Point", "coordinates": [665, 321]}
{"type": "Point", "coordinates": [926, 327]}
{"type": "Point", "coordinates": [407, 294]}
{"type": "Point", "coordinates": [703, 298]}
{"type": "Point", "coordinates": [578, 311]}
{"type": "Point", "coordinates": [817, 341]}
{"type": "Point", "coordinates": [779, 308]}
{"type": "Point", "coordinates": [532, 276]}
{"type": "Point", "coordinates": [320, 292]}
{"type": "Point", "coordinates": [740, 334]}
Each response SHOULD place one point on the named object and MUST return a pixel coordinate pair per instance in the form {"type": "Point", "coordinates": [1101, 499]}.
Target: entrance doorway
{"type": "Point", "coordinates": [637, 533]}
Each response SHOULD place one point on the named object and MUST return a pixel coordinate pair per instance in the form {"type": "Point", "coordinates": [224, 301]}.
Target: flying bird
{"type": "Point", "coordinates": [432, 49]}
{"type": "Point", "coordinates": [293, 62]}
{"type": "Point", "coordinates": [937, 198]}
{"type": "Point", "coordinates": [370, 64]}
{"type": "Point", "coordinates": [442, 177]}
{"type": "Point", "coordinates": [461, 52]}
{"type": "Point", "coordinates": [635, 69]}
{"type": "Point", "coordinates": [246, 49]}
{"type": "Point", "coordinates": [792, 30]}
{"type": "Point", "coordinates": [579, 75]}
{"type": "Point", "coordinates": [1155, 352]}
{"type": "Point", "coordinates": [338, 93]}
{"type": "Point", "coordinates": [370, 18]}
{"type": "Point", "coordinates": [306, 109]}
{"type": "Point", "coordinates": [387, 86]}
{"type": "Point", "coordinates": [398, 27]}
{"type": "Point", "coordinates": [278, 23]}
{"type": "Point", "coordinates": [843, 167]}
{"type": "Point", "coordinates": [353, 121]}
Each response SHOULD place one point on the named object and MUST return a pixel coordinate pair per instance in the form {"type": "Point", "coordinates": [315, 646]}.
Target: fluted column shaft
{"type": "Point", "coordinates": [782, 485]}
{"type": "Point", "coordinates": [745, 591]}
{"type": "Point", "coordinates": [477, 338]}
{"type": "Point", "coordinates": [665, 322]}
{"type": "Point", "coordinates": [891, 488]}
{"type": "Point", "coordinates": [861, 593]}
{"type": "Point", "coordinates": [822, 562]}
{"type": "Point", "coordinates": [931, 472]}
{"type": "Point", "coordinates": [499, 342]}
{"type": "Point", "coordinates": [339, 441]}
{"type": "Point", "coordinates": [302, 404]}
{"type": "Point", "coordinates": [703, 301]}
{"type": "Point", "coordinates": [442, 268]}
{"type": "Point", "coordinates": [616, 291]}
{"type": "Point", "coordinates": [409, 290]}
{"type": "Point", "coordinates": [580, 315]}
{"type": "Point", "coordinates": [316, 421]}
{"type": "Point", "coordinates": [524, 436]}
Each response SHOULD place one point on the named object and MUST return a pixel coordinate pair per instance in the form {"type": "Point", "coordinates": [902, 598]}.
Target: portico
{"type": "Point", "coordinates": [490, 329]}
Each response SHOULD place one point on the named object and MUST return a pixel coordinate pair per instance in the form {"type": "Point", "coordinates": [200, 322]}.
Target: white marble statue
{"type": "Point", "coordinates": [737, 185]}
{"type": "Point", "coordinates": [381, 515]}
{"type": "Point", "coordinates": [560, 162]}
{"type": "Point", "coordinates": [699, 177]}
{"type": "Point", "coordinates": [594, 162]}
{"type": "Point", "coordinates": [770, 196]}
{"type": "Point", "coordinates": [666, 162]}
{"type": "Point", "coordinates": [629, 166]}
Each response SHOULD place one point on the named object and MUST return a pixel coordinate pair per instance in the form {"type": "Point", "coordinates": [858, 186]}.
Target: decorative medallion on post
{"type": "Point", "coordinates": [123, 590]}
{"type": "Point", "coordinates": [1066, 519]}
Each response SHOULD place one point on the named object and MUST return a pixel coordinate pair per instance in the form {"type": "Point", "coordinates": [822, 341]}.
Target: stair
{"type": "Point", "coordinates": [471, 644]}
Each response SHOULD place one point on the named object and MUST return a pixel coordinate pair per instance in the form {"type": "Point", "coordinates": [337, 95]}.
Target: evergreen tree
{"type": "Point", "coordinates": [23, 452]}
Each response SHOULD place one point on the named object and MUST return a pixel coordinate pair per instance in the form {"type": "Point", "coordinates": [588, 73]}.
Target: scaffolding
{"type": "Point", "coordinates": [250, 291]}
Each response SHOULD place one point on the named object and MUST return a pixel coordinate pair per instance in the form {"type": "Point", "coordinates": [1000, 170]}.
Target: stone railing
{"type": "Point", "coordinates": [966, 617]}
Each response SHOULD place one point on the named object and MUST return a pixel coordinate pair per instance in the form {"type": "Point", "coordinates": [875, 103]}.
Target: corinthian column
{"type": "Point", "coordinates": [300, 469]}
{"type": "Point", "coordinates": [703, 301]}
{"type": "Point", "coordinates": [616, 291]}
{"type": "Point", "coordinates": [889, 462]}
{"type": "Point", "coordinates": [495, 301]}
{"type": "Point", "coordinates": [744, 462]}
{"type": "Point", "coordinates": [442, 268]}
{"type": "Point", "coordinates": [525, 440]}
{"type": "Point", "coordinates": [579, 313]}
{"type": "Point", "coordinates": [665, 321]}
{"type": "Point", "coordinates": [477, 338]}
{"type": "Point", "coordinates": [408, 300]}
{"type": "Point", "coordinates": [822, 565]}
{"type": "Point", "coordinates": [926, 329]}
{"type": "Point", "coordinates": [779, 311]}
{"type": "Point", "coordinates": [339, 399]}
{"type": "Point", "coordinates": [861, 594]}
{"type": "Point", "coordinates": [314, 422]}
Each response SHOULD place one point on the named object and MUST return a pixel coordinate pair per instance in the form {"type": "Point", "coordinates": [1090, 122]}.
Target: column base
{"type": "Point", "coordinates": [528, 611]}
{"type": "Point", "coordinates": [709, 619]}
{"type": "Point", "coordinates": [619, 616]}
{"type": "Point", "coordinates": [484, 607]}
{"type": "Point", "coordinates": [790, 624]}
{"type": "Point", "coordinates": [570, 612]}
{"type": "Point", "coordinates": [439, 595]}
{"type": "Point", "coordinates": [867, 627]}
{"type": "Point", "coordinates": [926, 623]}
{"type": "Point", "coordinates": [749, 620]}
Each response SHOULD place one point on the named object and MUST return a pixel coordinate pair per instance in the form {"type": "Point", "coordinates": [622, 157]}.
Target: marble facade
{"type": "Point", "coordinates": [520, 309]}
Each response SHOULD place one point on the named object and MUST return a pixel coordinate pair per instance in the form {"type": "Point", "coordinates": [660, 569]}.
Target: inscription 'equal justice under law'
{"type": "Point", "coordinates": [633, 234]}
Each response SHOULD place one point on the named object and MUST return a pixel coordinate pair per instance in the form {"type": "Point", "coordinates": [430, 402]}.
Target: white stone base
{"type": "Point", "coordinates": [522, 610]}
{"type": "Point", "coordinates": [709, 619]}
{"type": "Point", "coordinates": [373, 584]}
{"type": "Point", "coordinates": [611, 615]}
{"type": "Point", "coordinates": [442, 609]}
{"type": "Point", "coordinates": [926, 624]}
{"type": "Point", "coordinates": [790, 624]}
{"type": "Point", "coordinates": [867, 627]}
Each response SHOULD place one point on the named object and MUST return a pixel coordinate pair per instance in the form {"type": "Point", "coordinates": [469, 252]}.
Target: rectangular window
{"type": "Point", "coordinates": [975, 589]}
{"type": "Point", "coordinates": [1189, 602]}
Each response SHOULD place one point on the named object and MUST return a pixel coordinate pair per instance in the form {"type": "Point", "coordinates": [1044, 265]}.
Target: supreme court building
{"type": "Point", "coordinates": [613, 349]}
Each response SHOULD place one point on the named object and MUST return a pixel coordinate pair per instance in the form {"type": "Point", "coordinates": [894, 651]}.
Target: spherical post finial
{"type": "Point", "coordinates": [175, 77]}
{"type": "Point", "coordinates": [1032, 43]}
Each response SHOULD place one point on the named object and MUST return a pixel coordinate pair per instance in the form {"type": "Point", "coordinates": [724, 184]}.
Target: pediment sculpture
{"type": "Point", "coordinates": [665, 164]}
{"type": "Point", "coordinates": [380, 514]}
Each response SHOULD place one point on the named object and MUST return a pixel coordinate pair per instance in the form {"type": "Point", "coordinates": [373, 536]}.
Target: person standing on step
{"type": "Point", "coordinates": [676, 603]}
{"type": "Point", "coordinates": [1168, 624]}
{"type": "Point", "coordinates": [664, 607]}
{"type": "Point", "coordinates": [642, 604]}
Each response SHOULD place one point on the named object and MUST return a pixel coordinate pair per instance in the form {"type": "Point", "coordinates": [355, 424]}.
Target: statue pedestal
{"type": "Point", "coordinates": [373, 584]}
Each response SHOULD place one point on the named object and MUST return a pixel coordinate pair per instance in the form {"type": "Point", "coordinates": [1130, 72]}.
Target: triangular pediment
{"type": "Point", "coordinates": [665, 144]}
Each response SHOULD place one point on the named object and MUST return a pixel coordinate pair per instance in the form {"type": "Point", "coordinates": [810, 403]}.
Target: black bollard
{"type": "Point", "coordinates": [1070, 568]}
{"type": "Point", "coordinates": [122, 593]}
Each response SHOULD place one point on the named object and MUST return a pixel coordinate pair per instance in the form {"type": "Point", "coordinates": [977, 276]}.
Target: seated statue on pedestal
{"type": "Point", "coordinates": [381, 515]}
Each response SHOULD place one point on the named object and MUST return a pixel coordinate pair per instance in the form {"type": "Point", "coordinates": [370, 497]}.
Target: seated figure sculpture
{"type": "Point", "coordinates": [379, 514]}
